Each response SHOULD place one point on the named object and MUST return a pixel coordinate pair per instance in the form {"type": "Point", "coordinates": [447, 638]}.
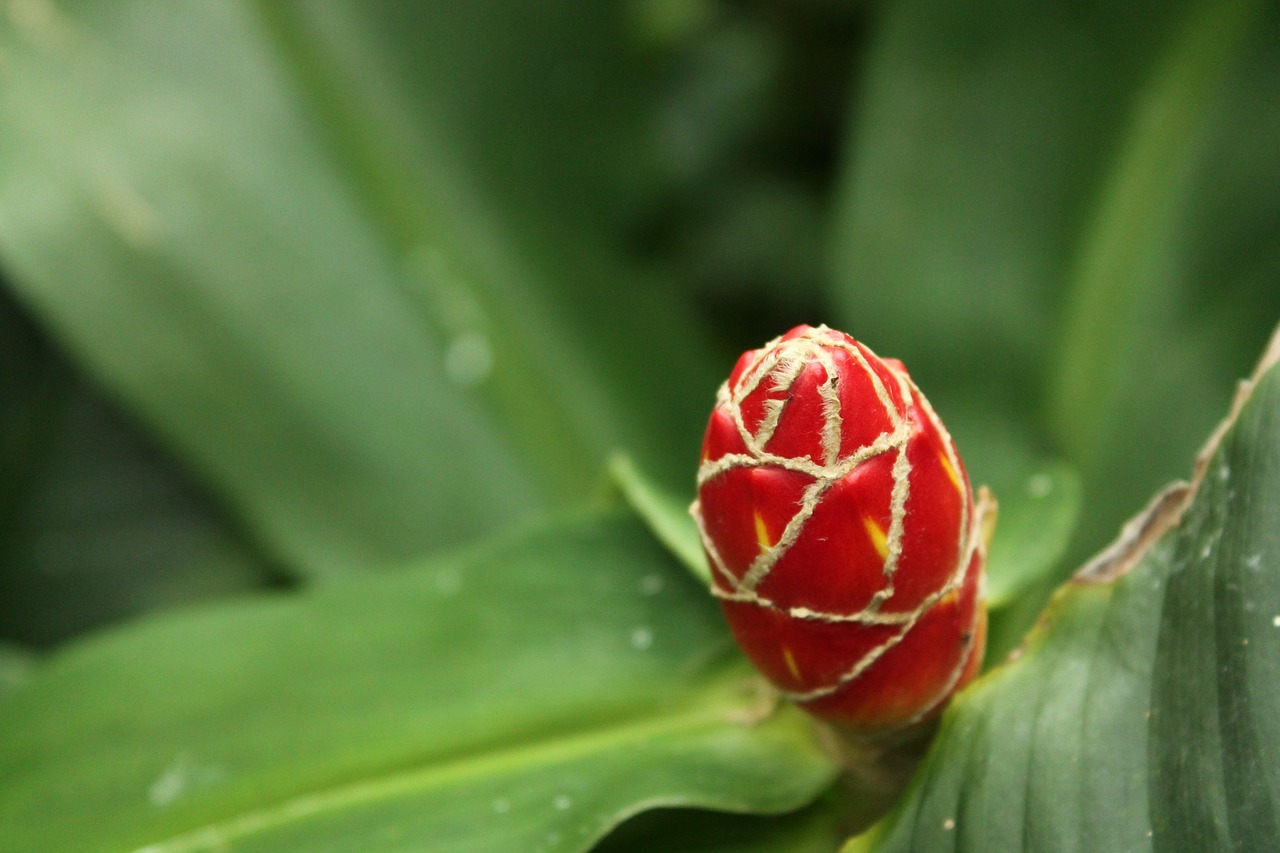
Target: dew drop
{"type": "Point", "coordinates": [1276, 621]}
{"type": "Point", "coordinates": [171, 783]}
{"type": "Point", "coordinates": [1040, 485]}
{"type": "Point", "coordinates": [641, 639]}
{"type": "Point", "coordinates": [448, 581]}
{"type": "Point", "coordinates": [468, 360]}
{"type": "Point", "coordinates": [949, 824]}
{"type": "Point", "coordinates": [182, 775]}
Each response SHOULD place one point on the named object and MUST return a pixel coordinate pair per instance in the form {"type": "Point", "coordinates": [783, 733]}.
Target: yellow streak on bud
{"type": "Point", "coordinates": [791, 663]}
{"type": "Point", "coordinates": [951, 471]}
{"type": "Point", "coordinates": [878, 537]}
{"type": "Point", "coordinates": [762, 533]}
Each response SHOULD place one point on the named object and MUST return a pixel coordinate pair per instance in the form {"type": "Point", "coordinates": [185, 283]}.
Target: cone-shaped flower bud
{"type": "Point", "coordinates": [844, 541]}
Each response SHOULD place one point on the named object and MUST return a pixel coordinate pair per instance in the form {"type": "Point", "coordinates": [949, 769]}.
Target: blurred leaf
{"type": "Point", "coordinates": [31, 386]}
{"type": "Point", "coordinates": [95, 524]}
{"type": "Point", "coordinates": [1120, 261]}
{"type": "Point", "coordinates": [666, 515]}
{"type": "Point", "coordinates": [990, 141]}
{"type": "Point", "coordinates": [527, 695]}
{"type": "Point", "coordinates": [1144, 712]}
{"type": "Point", "coordinates": [109, 528]}
{"type": "Point", "coordinates": [1032, 532]}
{"type": "Point", "coordinates": [348, 260]}
{"type": "Point", "coordinates": [1039, 508]}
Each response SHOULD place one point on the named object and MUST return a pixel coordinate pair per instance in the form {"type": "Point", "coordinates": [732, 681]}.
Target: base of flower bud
{"type": "Point", "coordinates": [877, 767]}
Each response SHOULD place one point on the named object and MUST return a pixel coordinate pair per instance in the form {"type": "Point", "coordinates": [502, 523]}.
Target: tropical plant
{"type": "Point", "coordinates": [357, 357]}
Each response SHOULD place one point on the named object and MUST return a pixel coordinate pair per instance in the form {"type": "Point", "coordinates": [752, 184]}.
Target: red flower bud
{"type": "Point", "coordinates": [842, 533]}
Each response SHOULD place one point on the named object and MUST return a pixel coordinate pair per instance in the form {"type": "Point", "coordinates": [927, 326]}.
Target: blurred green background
{"type": "Point", "coordinates": [293, 291]}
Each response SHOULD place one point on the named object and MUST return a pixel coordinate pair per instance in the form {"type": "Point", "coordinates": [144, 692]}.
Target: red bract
{"type": "Point", "coordinates": [844, 540]}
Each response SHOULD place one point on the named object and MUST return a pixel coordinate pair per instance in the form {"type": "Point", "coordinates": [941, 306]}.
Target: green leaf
{"type": "Point", "coordinates": [348, 259]}
{"type": "Point", "coordinates": [526, 695]}
{"type": "Point", "coordinates": [1039, 507]}
{"type": "Point", "coordinates": [666, 515]}
{"type": "Point", "coordinates": [1035, 524]}
{"type": "Point", "coordinates": [1144, 712]}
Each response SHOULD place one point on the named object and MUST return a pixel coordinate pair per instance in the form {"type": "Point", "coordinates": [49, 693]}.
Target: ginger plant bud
{"type": "Point", "coordinates": [845, 544]}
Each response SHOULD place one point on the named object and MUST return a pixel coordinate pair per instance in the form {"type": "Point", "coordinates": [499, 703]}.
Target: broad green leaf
{"type": "Point", "coordinates": [1005, 155]}
{"type": "Point", "coordinates": [526, 695]}
{"type": "Point", "coordinates": [666, 515]}
{"type": "Point", "coordinates": [349, 260]}
{"type": "Point", "coordinates": [1144, 712]}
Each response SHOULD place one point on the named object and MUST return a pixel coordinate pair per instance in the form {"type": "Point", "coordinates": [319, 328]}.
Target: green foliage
{"type": "Point", "coordinates": [302, 305]}
{"type": "Point", "coordinates": [516, 697]}
{"type": "Point", "coordinates": [324, 302]}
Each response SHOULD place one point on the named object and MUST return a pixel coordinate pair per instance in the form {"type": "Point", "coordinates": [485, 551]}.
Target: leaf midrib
{"type": "Point", "coordinates": [492, 763]}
